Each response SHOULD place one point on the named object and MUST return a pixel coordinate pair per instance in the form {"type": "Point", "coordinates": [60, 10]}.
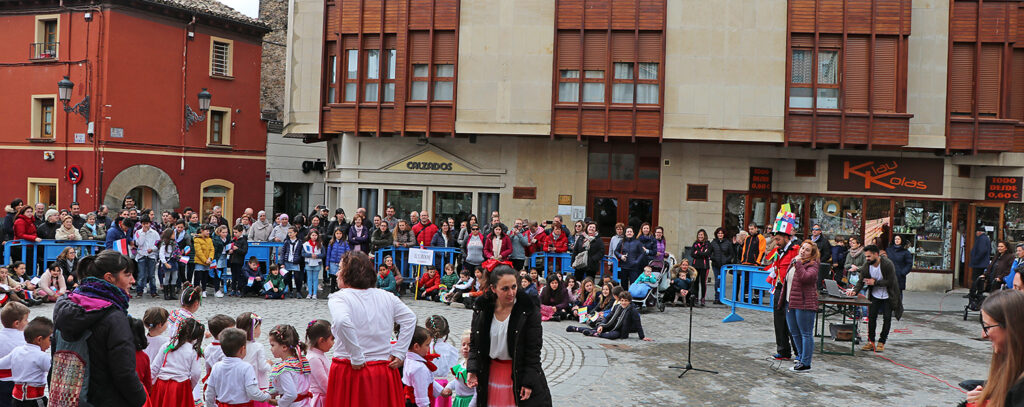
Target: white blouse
{"type": "Point", "coordinates": [499, 339]}
{"type": "Point", "coordinates": [362, 323]}
{"type": "Point", "coordinates": [181, 365]}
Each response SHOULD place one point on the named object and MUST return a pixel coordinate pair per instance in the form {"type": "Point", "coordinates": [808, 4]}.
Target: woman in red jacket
{"type": "Point", "coordinates": [497, 246]}
{"type": "Point", "coordinates": [803, 302]}
{"type": "Point", "coordinates": [430, 285]}
{"type": "Point", "coordinates": [25, 229]}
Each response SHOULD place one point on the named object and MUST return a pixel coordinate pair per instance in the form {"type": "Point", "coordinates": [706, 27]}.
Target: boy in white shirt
{"type": "Point", "coordinates": [146, 254]}
{"type": "Point", "coordinates": [29, 374]}
{"type": "Point", "coordinates": [14, 317]}
{"type": "Point", "coordinates": [233, 381]}
{"type": "Point", "coordinates": [421, 389]}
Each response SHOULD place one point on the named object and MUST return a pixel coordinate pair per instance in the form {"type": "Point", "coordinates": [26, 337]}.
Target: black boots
{"type": "Point", "coordinates": [168, 292]}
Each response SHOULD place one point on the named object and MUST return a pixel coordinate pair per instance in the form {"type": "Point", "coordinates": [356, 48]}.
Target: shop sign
{"type": "Point", "coordinates": [760, 180]}
{"type": "Point", "coordinates": [892, 175]}
{"type": "Point", "coordinates": [1003, 188]}
{"type": "Point", "coordinates": [428, 161]}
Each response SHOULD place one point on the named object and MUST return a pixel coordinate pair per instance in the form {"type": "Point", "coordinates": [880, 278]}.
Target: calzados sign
{"type": "Point", "coordinates": [894, 175]}
{"type": "Point", "coordinates": [1003, 188]}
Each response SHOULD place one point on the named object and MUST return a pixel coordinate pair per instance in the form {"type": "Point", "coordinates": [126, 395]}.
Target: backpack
{"type": "Point", "coordinates": [69, 379]}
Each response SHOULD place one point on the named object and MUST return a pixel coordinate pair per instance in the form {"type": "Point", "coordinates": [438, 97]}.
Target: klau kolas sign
{"type": "Point", "coordinates": [889, 175]}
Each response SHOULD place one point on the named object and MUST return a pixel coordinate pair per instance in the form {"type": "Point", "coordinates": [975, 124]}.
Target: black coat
{"type": "Point", "coordinates": [112, 378]}
{"type": "Point", "coordinates": [525, 340]}
{"type": "Point", "coordinates": [722, 252]}
{"type": "Point", "coordinates": [594, 254]}
{"type": "Point", "coordinates": [701, 255]}
{"type": "Point", "coordinates": [824, 250]}
{"type": "Point", "coordinates": [241, 248]}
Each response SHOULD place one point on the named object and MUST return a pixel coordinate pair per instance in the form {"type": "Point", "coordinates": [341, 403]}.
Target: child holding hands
{"type": "Point", "coordinates": [289, 379]}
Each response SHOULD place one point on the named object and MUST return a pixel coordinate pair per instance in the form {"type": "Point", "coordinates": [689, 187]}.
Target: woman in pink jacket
{"type": "Point", "coordinates": [803, 303]}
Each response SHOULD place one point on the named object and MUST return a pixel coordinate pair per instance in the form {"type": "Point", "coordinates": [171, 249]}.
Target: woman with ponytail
{"type": "Point", "coordinates": [100, 305]}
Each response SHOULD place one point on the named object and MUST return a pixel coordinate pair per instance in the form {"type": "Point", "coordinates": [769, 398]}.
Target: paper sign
{"type": "Point", "coordinates": [251, 279]}
{"type": "Point", "coordinates": [423, 257]}
{"type": "Point", "coordinates": [990, 228]}
{"type": "Point", "coordinates": [268, 286]}
{"type": "Point", "coordinates": [579, 212]}
{"type": "Point", "coordinates": [35, 281]}
{"type": "Point", "coordinates": [565, 210]}
{"type": "Point", "coordinates": [184, 259]}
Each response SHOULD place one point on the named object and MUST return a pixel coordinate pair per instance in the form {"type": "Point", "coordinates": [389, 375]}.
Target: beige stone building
{"type": "Point", "coordinates": [872, 119]}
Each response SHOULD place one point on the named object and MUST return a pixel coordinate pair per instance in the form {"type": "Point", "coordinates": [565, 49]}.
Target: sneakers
{"type": "Point", "coordinates": [880, 347]}
{"type": "Point", "coordinates": [217, 294]}
{"type": "Point", "coordinates": [203, 294]}
{"type": "Point", "coordinates": [870, 346]}
{"type": "Point", "coordinates": [780, 357]}
{"type": "Point", "coordinates": [800, 367]}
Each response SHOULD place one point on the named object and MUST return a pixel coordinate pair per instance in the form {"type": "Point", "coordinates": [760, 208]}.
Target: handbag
{"type": "Point", "coordinates": [583, 258]}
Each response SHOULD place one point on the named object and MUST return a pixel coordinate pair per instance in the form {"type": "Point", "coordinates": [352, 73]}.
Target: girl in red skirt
{"type": "Point", "coordinates": [365, 367]}
{"type": "Point", "coordinates": [177, 369]}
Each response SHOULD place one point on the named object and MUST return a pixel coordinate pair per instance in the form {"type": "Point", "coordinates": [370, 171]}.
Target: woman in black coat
{"type": "Point", "coordinates": [518, 355]}
{"type": "Point", "coordinates": [901, 259]}
{"type": "Point", "coordinates": [722, 252]}
{"type": "Point", "coordinates": [594, 249]}
{"type": "Point", "coordinates": [632, 258]}
{"type": "Point", "coordinates": [701, 262]}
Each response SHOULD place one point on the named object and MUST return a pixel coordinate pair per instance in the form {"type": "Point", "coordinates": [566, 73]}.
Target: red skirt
{"type": "Point", "coordinates": [499, 389]}
{"type": "Point", "coordinates": [169, 393]}
{"type": "Point", "coordinates": [375, 385]}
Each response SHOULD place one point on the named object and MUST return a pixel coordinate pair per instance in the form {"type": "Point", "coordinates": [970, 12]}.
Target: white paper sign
{"type": "Point", "coordinates": [80, 138]}
{"type": "Point", "coordinates": [422, 257]}
{"type": "Point", "coordinates": [35, 281]}
{"type": "Point", "coordinates": [579, 212]}
{"type": "Point", "coordinates": [565, 210]}
{"type": "Point", "coordinates": [990, 228]}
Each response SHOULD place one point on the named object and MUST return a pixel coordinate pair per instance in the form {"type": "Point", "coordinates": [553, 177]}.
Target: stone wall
{"type": "Point", "coordinates": [275, 14]}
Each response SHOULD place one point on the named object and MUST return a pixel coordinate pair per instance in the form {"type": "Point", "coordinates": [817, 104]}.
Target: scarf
{"type": "Point", "coordinates": [293, 364]}
{"type": "Point", "coordinates": [93, 287]}
{"type": "Point", "coordinates": [856, 252]}
{"type": "Point", "coordinates": [91, 227]}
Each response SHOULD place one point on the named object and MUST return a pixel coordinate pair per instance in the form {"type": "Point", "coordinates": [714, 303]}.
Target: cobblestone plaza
{"type": "Point", "coordinates": [596, 372]}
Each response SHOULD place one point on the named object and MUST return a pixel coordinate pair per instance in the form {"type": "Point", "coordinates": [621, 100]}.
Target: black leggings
{"type": "Point", "coordinates": [593, 332]}
{"type": "Point", "coordinates": [701, 288]}
{"type": "Point", "coordinates": [876, 305]}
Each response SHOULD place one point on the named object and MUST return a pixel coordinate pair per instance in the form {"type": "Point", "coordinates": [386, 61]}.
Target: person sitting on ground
{"type": "Point", "coordinates": [620, 325]}
{"type": "Point", "coordinates": [429, 285]}
{"type": "Point", "coordinates": [252, 270]}
{"type": "Point", "coordinates": [448, 280]}
{"type": "Point", "coordinates": [462, 286]}
{"type": "Point", "coordinates": [554, 301]}
{"type": "Point", "coordinates": [682, 279]}
{"type": "Point", "coordinates": [479, 288]}
{"type": "Point", "coordinates": [386, 280]}
{"type": "Point", "coordinates": [527, 286]}
{"type": "Point", "coordinates": [52, 283]}
{"type": "Point", "coordinates": [586, 297]}
{"type": "Point", "coordinates": [276, 291]}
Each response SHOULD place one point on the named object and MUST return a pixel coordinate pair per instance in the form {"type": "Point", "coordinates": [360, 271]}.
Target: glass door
{"type": "Point", "coordinates": [605, 212]}
{"type": "Point", "coordinates": [982, 217]}
{"type": "Point", "coordinates": [455, 205]}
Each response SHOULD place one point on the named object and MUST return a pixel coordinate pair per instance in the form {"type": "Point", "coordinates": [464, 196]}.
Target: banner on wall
{"type": "Point", "coordinates": [1003, 188]}
{"type": "Point", "coordinates": [888, 175]}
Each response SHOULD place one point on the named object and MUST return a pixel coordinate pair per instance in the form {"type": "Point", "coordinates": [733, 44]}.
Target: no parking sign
{"type": "Point", "coordinates": [74, 174]}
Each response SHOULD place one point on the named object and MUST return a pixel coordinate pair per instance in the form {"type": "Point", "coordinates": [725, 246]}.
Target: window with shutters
{"type": "Point", "coordinates": [803, 80]}
{"type": "Point", "coordinates": [433, 67]}
{"type": "Point", "coordinates": [220, 57]}
{"type": "Point", "coordinates": [636, 59]}
{"type": "Point", "coordinates": [332, 75]}
{"type": "Point", "coordinates": [862, 73]}
{"type": "Point", "coordinates": [351, 74]}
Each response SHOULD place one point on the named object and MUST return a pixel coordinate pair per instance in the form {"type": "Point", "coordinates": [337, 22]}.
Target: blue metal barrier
{"type": "Point", "coordinates": [442, 257]}
{"type": "Point", "coordinates": [748, 284]}
{"type": "Point", "coordinates": [264, 252]}
{"type": "Point", "coordinates": [562, 263]}
{"type": "Point", "coordinates": [47, 249]}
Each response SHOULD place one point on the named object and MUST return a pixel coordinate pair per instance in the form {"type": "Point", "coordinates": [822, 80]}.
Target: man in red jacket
{"type": "Point", "coordinates": [424, 230]}
{"type": "Point", "coordinates": [788, 247]}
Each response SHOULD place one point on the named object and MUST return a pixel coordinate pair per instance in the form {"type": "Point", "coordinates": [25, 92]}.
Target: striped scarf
{"type": "Point", "coordinates": [298, 365]}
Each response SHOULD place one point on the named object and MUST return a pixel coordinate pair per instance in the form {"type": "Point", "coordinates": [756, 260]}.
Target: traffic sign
{"type": "Point", "coordinates": [74, 174]}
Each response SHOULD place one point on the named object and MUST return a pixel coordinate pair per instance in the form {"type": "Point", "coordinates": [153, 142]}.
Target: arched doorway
{"type": "Point", "coordinates": [143, 182]}
{"type": "Point", "coordinates": [217, 192]}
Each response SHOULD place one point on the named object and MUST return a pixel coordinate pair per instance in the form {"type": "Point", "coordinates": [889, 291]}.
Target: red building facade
{"type": "Point", "coordinates": [139, 66]}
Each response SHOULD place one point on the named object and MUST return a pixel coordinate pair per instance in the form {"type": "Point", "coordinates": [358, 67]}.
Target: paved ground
{"type": "Point", "coordinates": [586, 371]}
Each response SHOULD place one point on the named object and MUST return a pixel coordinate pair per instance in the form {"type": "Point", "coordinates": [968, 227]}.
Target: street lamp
{"type": "Point", "coordinates": [64, 88]}
{"type": "Point", "coordinates": [204, 106]}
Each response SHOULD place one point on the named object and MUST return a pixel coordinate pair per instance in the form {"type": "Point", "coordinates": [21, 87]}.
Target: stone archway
{"type": "Point", "coordinates": [142, 175]}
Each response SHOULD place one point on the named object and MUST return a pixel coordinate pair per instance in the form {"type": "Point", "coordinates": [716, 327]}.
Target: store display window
{"type": "Point", "coordinates": [926, 229]}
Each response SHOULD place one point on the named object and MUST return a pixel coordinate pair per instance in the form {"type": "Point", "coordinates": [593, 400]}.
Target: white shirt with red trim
{"type": "Point", "coordinates": [32, 367]}
{"type": "Point", "coordinates": [10, 338]}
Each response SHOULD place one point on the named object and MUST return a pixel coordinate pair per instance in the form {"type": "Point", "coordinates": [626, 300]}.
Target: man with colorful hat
{"type": "Point", "coordinates": [787, 247]}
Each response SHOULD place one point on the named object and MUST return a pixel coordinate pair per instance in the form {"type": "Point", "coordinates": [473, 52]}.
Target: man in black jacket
{"type": "Point", "coordinates": [7, 229]}
{"type": "Point", "coordinates": [722, 252]}
{"type": "Point", "coordinates": [825, 250]}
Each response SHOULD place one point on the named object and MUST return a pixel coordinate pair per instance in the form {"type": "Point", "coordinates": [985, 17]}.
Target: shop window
{"type": "Point", "coordinates": [403, 201]}
{"type": "Point", "coordinates": [796, 205]}
{"type": "Point", "coordinates": [839, 217]}
{"type": "Point", "coordinates": [487, 202]}
{"type": "Point", "coordinates": [42, 190]}
{"type": "Point", "coordinates": [925, 227]}
{"type": "Point", "coordinates": [1014, 224]}
{"type": "Point", "coordinates": [734, 215]}
{"type": "Point", "coordinates": [221, 51]}
{"type": "Point", "coordinates": [368, 200]}
{"type": "Point", "coordinates": [455, 205]}
{"type": "Point", "coordinates": [217, 192]}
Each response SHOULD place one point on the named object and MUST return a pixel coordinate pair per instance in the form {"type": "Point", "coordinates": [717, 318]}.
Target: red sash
{"type": "Point", "coordinates": [303, 396]}
{"type": "Point", "coordinates": [24, 392]}
{"type": "Point", "coordinates": [5, 373]}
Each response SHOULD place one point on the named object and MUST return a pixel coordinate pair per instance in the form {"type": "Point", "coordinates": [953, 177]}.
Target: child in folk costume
{"type": "Point", "coordinates": [32, 365]}
{"type": "Point", "coordinates": [232, 381]}
{"type": "Point", "coordinates": [417, 376]}
{"type": "Point", "coordinates": [465, 396]}
{"type": "Point", "coordinates": [178, 368]}
{"type": "Point", "coordinates": [14, 316]}
{"type": "Point", "coordinates": [289, 378]}
{"type": "Point", "coordinates": [190, 301]}
{"type": "Point", "coordinates": [213, 352]}
{"type": "Point", "coordinates": [155, 320]}
{"type": "Point", "coordinates": [447, 355]}
{"type": "Point", "coordinates": [142, 360]}
{"type": "Point", "coordinates": [319, 340]}
{"type": "Point", "coordinates": [255, 355]}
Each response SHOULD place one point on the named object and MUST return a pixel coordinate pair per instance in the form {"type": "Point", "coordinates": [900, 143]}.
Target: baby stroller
{"type": "Point", "coordinates": [652, 293]}
{"type": "Point", "coordinates": [975, 300]}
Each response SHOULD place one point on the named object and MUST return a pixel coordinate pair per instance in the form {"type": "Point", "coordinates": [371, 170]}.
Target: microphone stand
{"type": "Point", "coordinates": [689, 352]}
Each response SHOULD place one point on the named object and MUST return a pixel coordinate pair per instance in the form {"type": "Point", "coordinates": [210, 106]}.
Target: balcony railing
{"type": "Point", "coordinates": [43, 50]}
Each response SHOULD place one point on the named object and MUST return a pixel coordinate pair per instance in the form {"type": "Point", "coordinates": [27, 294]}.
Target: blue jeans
{"type": "Point", "coordinates": [801, 327]}
{"type": "Point", "coordinates": [312, 279]}
{"type": "Point", "coordinates": [147, 275]}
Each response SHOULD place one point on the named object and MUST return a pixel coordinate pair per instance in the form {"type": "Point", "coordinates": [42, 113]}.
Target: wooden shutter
{"type": "Point", "coordinates": [650, 46]}
{"type": "Point", "coordinates": [595, 46]}
{"type": "Point", "coordinates": [961, 73]}
{"type": "Point", "coordinates": [855, 74]}
{"type": "Point", "coordinates": [371, 41]}
{"type": "Point", "coordinates": [569, 49]}
{"type": "Point", "coordinates": [419, 47]}
{"type": "Point", "coordinates": [1017, 85]}
{"type": "Point", "coordinates": [989, 69]}
{"type": "Point", "coordinates": [444, 47]}
{"type": "Point", "coordinates": [623, 46]}
{"type": "Point", "coordinates": [883, 77]}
